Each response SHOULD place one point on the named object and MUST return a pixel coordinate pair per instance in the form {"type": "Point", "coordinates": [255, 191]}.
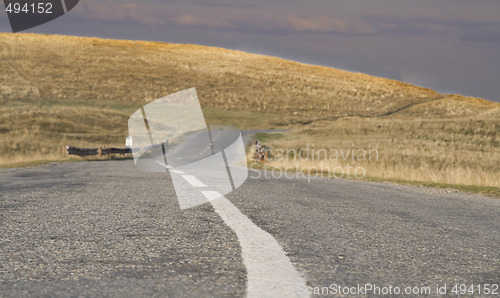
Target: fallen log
{"type": "Point", "coordinates": [105, 151]}
{"type": "Point", "coordinates": [82, 151]}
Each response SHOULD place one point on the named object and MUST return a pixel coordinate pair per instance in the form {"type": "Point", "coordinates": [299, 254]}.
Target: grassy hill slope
{"type": "Point", "coordinates": [60, 90]}
{"type": "Point", "coordinates": [57, 67]}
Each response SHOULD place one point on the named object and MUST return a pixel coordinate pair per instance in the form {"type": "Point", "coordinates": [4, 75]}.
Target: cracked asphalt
{"type": "Point", "coordinates": [106, 229]}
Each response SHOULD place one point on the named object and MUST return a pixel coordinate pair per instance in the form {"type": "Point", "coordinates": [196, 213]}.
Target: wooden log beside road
{"type": "Point", "coordinates": [82, 151]}
{"type": "Point", "coordinates": [105, 151]}
{"type": "Point", "coordinates": [71, 150]}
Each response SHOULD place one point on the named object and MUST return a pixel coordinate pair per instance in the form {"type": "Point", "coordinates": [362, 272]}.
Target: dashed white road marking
{"type": "Point", "coordinates": [170, 168]}
{"type": "Point", "coordinates": [269, 271]}
{"type": "Point", "coordinates": [211, 195]}
{"type": "Point", "coordinates": [193, 180]}
{"type": "Point", "coordinates": [163, 164]}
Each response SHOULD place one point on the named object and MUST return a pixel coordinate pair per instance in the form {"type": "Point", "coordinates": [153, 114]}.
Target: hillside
{"type": "Point", "coordinates": [62, 90]}
{"type": "Point", "coordinates": [62, 67]}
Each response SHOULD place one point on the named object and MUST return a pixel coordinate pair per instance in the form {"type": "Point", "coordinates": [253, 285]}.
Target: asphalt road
{"type": "Point", "coordinates": [107, 229]}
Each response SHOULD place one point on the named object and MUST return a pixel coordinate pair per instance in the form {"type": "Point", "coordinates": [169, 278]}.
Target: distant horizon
{"type": "Point", "coordinates": [451, 47]}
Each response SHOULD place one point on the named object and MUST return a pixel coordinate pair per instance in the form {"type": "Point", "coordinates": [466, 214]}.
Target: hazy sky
{"type": "Point", "coordinates": [451, 46]}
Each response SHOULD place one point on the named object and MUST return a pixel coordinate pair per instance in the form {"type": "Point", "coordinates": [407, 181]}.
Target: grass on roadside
{"type": "Point", "coordinates": [490, 191]}
{"type": "Point", "coordinates": [461, 153]}
{"type": "Point", "coordinates": [33, 132]}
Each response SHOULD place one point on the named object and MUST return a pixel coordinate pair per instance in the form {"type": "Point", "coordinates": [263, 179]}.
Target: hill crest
{"type": "Point", "coordinates": [60, 67]}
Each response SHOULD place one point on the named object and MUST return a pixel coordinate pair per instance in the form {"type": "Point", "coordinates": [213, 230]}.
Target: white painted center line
{"type": "Point", "coordinates": [269, 271]}
{"type": "Point", "coordinates": [171, 169]}
{"type": "Point", "coordinates": [163, 164]}
{"type": "Point", "coordinates": [211, 195]}
{"type": "Point", "coordinates": [193, 180]}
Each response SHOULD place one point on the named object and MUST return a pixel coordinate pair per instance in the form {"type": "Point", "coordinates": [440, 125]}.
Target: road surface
{"type": "Point", "coordinates": [106, 229]}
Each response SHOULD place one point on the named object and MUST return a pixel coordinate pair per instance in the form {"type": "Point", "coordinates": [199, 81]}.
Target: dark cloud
{"type": "Point", "coordinates": [465, 28]}
{"type": "Point", "coordinates": [227, 18]}
{"type": "Point", "coordinates": [116, 12]}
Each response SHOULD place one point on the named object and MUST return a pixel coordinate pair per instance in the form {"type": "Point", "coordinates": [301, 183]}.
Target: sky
{"type": "Point", "coordinates": [451, 46]}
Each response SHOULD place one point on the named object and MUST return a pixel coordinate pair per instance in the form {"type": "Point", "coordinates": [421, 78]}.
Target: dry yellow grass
{"type": "Point", "coordinates": [32, 131]}
{"type": "Point", "coordinates": [56, 67]}
{"type": "Point", "coordinates": [35, 130]}
{"type": "Point", "coordinates": [57, 90]}
{"type": "Point", "coordinates": [452, 151]}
